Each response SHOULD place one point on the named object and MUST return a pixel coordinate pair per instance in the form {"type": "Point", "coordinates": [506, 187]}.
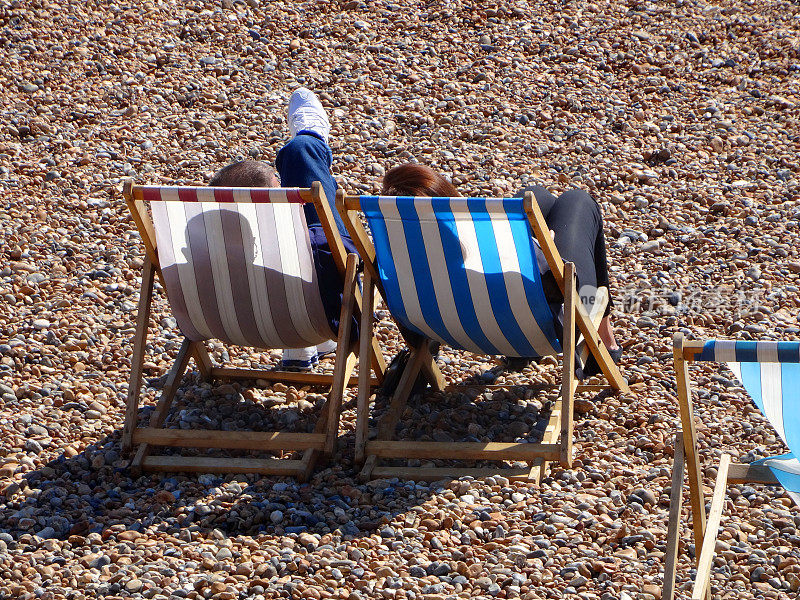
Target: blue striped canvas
{"type": "Point", "coordinates": [462, 271]}
{"type": "Point", "coordinates": [786, 469]}
{"type": "Point", "coordinates": [770, 372]}
{"type": "Point", "coordinates": [750, 351]}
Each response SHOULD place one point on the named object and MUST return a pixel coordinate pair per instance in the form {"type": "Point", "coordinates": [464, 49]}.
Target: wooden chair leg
{"type": "Point", "coordinates": [568, 381]}
{"type": "Point", "coordinates": [690, 441]}
{"type": "Point", "coordinates": [312, 456]}
{"type": "Point", "coordinates": [203, 360]}
{"type": "Point", "coordinates": [342, 354]}
{"type": "Point", "coordinates": [673, 528]}
{"type": "Point", "coordinates": [702, 580]}
{"type": "Point", "coordinates": [375, 354]}
{"type": "Point", "coordinates": [399, 399]}
{"type": "Point", "coordinates": [397, 404]}
{"type": "Point", "coordinates": [557, 422]}
{"type": "Point", "coordinates": [550, 436]}
{"type": "Point", "coordinates": [367, 469]}
{"type": "Point", "coordinates": [137, 361]}
{"type": "Point", "coordinates": [167, 394]}
{"type": "Point", "coordinates": [432, 373]}
{"type": "Point", "coordinates": [589, 331]}
{"type": "Point", "coordinates": [366, 250]}
{"type": "Point", "coordinates": [364, 348]}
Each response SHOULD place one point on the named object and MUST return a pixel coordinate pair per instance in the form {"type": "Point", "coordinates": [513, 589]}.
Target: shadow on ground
{"type": "Point", "coordinates": [94, 491]}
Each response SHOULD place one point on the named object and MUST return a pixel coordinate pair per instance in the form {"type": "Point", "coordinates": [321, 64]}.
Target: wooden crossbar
{"type": "Point", "coordinates": [691, 349]}
{"type": "Point", "coordinates": [312, 379]}
{"type": "Point", "coordinates": [302, 194]}
{"type": "Point", "coordinates": [233, 440]}
{"type": "Point", "coordinates": [464, 450]}
{"type": "Point", "coordinates": [443, 473]}
{"type": "Point", "coordinates": [747, 473]}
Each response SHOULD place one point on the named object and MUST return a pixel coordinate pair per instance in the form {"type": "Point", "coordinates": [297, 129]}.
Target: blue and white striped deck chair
{"type": "Point", "coordinates": [770, 373]}
{"type": "Point", "coordinates": [464, 272]}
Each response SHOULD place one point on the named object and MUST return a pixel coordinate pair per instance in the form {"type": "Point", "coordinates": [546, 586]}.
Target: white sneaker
{"type": "Point", "coordinates": [326, 348]}
{"type": "Point", "coordinates": [298, 359]}
{"type": "Point", "coordinates": [307, 114]}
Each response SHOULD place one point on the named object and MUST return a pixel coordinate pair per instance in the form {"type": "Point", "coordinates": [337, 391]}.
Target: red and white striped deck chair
{"type": "Point", "coordinates": [237, 266]}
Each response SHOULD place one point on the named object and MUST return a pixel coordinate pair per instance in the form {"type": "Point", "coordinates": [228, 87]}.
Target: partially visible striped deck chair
{"type": "Point", "coordinates": [463, 271]}
{"type": "Point", "coordinates": [236, 264]}
{"type": "Point", "coordinates": [770, 373]}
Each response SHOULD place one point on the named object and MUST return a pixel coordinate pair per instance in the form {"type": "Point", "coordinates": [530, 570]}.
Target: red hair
{"type": "Point", "coordinates": [412, 179]}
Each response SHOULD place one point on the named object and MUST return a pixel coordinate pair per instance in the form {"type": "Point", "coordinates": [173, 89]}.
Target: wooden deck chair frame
{"type": "Point", "coordinates": [705, 528]}
{"type": "Point", "coordinates": [324, 437]}
{"type": "Point", "coordinates": [560, 424]}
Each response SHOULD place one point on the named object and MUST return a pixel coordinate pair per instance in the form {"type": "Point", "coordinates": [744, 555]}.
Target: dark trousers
{"type": "Point", "coordinates": [301, 162]}
{"type": "Point", "coordinates": [577, 222]}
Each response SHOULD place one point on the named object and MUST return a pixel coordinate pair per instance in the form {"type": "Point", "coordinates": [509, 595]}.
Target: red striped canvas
{"type": "Point", "coordinates": [237, 265]}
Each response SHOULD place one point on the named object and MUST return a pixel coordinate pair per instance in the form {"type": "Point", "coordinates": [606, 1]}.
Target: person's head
{"type": "Point", "coordinates": [412, 179]}
{"type": "Point", "coordinates": [246, 173]}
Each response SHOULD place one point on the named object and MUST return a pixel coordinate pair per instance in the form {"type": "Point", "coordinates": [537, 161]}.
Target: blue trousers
{"type": "Point", "coordinates": [301, 162]}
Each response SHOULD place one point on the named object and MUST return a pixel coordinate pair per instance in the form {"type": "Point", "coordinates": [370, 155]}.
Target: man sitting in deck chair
{"type": "Point", "coordinates": [303, 160]}
{"type": "Point", "coordinates": [248, 267]}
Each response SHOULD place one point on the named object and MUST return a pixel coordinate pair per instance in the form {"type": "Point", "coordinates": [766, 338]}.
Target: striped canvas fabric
{"type": "Point", "coordinates": [237, 265]}
{"type": "Point", "coordinates": [462, 271]}
{"type": "Point", "coordinates": [749, 351]}
{"type": "Point", "coordinates": [227, 195]}
{"type": "Point", "coordinates": [770, 372]}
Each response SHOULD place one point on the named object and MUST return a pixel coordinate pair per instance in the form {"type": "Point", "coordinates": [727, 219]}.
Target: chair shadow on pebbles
{"type": "Point", "coordinates": [91, 496]}
{"type": "Point", "coordinates": [94, 491]}
{"type": "Point", "coordinates": [488, 403]}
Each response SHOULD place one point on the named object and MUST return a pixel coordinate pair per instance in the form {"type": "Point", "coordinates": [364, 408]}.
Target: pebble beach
{"type": "Point", "coordinates": [681, 119]}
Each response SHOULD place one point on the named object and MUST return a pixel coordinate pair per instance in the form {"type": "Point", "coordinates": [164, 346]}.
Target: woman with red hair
{"type": "Point", "coordinates": [575, 222]}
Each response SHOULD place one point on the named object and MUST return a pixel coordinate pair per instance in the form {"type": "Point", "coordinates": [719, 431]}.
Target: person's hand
{"type": "Point", "coordinates": [552, 234]}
